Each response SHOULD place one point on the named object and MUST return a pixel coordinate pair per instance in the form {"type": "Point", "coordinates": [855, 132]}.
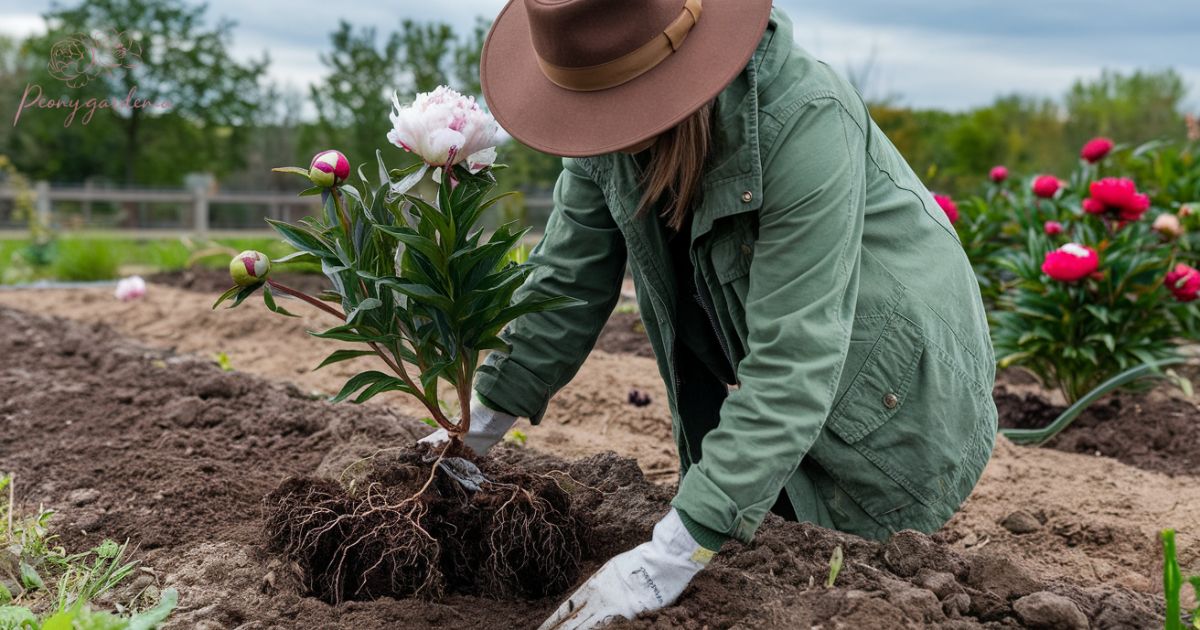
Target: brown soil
{"type": "Point", "coordinates": [588, 416]}
{"type": "Point", "coordinates": [1157, 430]}
{"type": "Point", "coordinates": [625, 334]}
{"type": "Point", "coordinates": [214, 282]}
{"type": "Point", "coordinates": [1087, 520]}
{"type": "Point", "coordinates": [180, 454]}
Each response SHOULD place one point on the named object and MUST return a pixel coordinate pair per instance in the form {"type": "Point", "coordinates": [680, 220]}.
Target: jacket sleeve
{"type": "Point", "coordinates": [799, 312]}
{"type": "Point", "coordinates": [582, 255]}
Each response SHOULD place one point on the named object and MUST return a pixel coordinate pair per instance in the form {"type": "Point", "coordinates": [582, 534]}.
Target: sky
{"type": "Point", "coordinates": [947, 54]}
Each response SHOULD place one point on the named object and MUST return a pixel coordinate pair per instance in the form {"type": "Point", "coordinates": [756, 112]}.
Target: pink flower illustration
{"type": "Point", "coordinates": [73, 60]}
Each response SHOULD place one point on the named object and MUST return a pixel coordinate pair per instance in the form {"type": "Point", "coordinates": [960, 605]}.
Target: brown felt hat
{"type": "Point", "coordinates": [586, 77]}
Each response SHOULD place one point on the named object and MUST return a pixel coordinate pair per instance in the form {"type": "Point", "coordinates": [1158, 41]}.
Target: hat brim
{"type": "Point", "coordinates": [568, 123]}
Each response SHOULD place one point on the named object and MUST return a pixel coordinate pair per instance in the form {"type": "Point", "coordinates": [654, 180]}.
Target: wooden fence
{"type": "Point", "coordinates": [186, 210]}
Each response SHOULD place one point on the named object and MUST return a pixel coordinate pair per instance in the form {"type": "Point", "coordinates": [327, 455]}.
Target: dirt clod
{"type": "Point", "coordinates": [1021, 522]}
{"type": "Point", "coordinates": [1050, 612]}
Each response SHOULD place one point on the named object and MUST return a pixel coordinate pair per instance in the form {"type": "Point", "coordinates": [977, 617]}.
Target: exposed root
{"type": "Point", "coordinates": [403, 529]}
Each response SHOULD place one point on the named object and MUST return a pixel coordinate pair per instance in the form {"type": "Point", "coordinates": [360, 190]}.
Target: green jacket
{"type": "Point", "coordinates": [840, 290]}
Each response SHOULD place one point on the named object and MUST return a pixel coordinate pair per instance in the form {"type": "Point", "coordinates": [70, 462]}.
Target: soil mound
{"type": "Point", "coordinates": [1155, 430]}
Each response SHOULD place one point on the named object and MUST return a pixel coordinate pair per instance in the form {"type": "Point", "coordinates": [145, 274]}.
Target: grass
{"type": "Point", "coordinates": [44, 586]}
{"type": "Point", "coordinates": [91, 257]}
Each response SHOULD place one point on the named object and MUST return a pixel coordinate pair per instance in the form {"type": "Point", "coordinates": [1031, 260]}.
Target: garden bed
{"type": "Point", "coordinates": [1158, 430]}
{"type": "Point", "coordinates": [176, 455]}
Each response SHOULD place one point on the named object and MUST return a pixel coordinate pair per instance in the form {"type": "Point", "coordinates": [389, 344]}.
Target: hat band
{"type": "Point", "coordinates": [627, 67]}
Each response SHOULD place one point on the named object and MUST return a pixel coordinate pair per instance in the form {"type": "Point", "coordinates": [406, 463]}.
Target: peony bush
{"type": "Point", "coordinates": [1090, 275]}
{"type": "Point", "coordinates": [414, 281]}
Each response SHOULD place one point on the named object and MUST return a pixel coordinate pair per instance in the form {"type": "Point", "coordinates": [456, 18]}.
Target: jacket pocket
{"type": "Point", "coordinates": [916, 412]}
{"type": "Point", "coordinates": [880, 388]}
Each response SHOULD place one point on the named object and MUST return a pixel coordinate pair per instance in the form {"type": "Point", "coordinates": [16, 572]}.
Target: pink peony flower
{"type": "Point", "coordinates": [948, 206]}
{"type": "Point", "coordinates": [1053, 228]}
{"type": "Point", "coordinates": [445, 128]}
{"type": "Point", "coordinates": [1184, 282]}
{"type": "Point", "coordinates": [1091, 206]}
{"type": "Point", "coordinates": [329, 169]}
{"type": "Point", "coordinates": [998, 174]}
{"type": "Point", "coordinates": [131, 288]}
{"type": "Point", "coordinates": [1046, 186]}
{"type": "Point", "coordinates": [1168, 225]}
{"type": "Point", "coordinates": [1071, 262]}
{"type": "Point", "coordinates": [249, 268]}
{"type": "Point", "coordinates": [1096, 149]}
{"type": "Point", "coordinates": [1117, 197]}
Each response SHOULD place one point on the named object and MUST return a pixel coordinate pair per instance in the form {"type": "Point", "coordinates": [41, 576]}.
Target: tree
{"type": "Point", "coordinates": [199, 100]}
{"type": "Point", "coordinates": [354, 98]}
{"type": "Point", "coordinates": [364, 71]}
{"type": "Point", "coordinates": [1130, 108]}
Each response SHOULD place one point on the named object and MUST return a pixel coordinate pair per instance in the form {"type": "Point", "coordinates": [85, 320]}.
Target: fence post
{"type": "Point", "coordinates": [42, 205]}
{"type": "Point", "coordinates": [200, 209]}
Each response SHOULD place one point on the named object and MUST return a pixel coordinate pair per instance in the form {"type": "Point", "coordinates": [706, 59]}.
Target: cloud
{"type": "Point", "coordinates": [957, 55]}
{"type": "Point", "coordinates": [21, 25]}
{"type": "Point", "coordinates": [952, 54]}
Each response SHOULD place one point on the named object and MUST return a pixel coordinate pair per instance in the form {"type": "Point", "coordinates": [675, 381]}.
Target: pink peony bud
{"type": "Point", "coordinates": [1168, 225]}
{"type": "Point", "coordinates": [1052, 228]}
{"type": "Point", "coordinates": [130, 288]}
{"type": "Point", "coordinates": [445, 128]}
{"type": "Point", "coordinates": [1071, 262]}
{"type": "Point", "coordinates": [1184, 283]}
{"type": "Point", "coordinates": [1185, 212]}
{"type": "Point", "coordinates": [1096, 149]}
{"type": "Point", "coordinates": [948, 206]}
{"type": "Point", "coordinates": [998, 174]}
{"type": "Point", "coordinates": [329, 169]}
{"type": "Point", "coordinates": [249, 268]}
{"type": "Point", "coordinates": [1046, 186]}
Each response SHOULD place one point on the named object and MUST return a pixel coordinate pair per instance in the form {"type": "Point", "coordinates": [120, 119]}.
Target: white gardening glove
{"type": "Point", "coordinates": [647, 577]}
{"type": "Point", "coordinates": [488, 426]}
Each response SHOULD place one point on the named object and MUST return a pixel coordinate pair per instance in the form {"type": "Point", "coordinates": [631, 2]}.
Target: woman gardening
{"type": "Point", "coordinates": [817, 324]}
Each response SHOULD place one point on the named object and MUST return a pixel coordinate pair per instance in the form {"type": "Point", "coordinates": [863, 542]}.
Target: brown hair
{"type": "Point", "coordinates": [677, 161]}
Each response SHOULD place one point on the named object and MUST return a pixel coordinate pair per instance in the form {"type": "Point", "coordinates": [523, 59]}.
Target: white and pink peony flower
{"type": "Point", "coordinates": [131, 288]}
{"type": "Point", "coordinates": [445, 129]}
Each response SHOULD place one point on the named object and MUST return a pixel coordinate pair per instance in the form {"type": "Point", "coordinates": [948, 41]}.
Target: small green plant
{"type": "Point", "coordinates": [1173, 581]}
{"type": "Point", "coordinates": [516, 437]}
{"type": "Point", "coordinates": [44, 586]}
{"type": "Point", "coordinates": [223, 362]}
{"type": "Point", "coordinates": [835, 566]}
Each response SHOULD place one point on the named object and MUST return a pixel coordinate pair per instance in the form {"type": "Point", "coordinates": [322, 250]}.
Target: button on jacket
{"type": "Point", "coordinates": [836, 285]}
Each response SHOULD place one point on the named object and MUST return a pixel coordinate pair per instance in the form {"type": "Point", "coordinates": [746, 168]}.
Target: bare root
{"type": "Point", "coordinates": [408, 531]}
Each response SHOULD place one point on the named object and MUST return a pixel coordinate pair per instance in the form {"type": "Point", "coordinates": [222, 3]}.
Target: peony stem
{"type": "Point", "coordinates": [395, 366]}
{"type": "Point", "coordinates": [341, 210]}
{"type": "Point", "coordinates": [282, 288]}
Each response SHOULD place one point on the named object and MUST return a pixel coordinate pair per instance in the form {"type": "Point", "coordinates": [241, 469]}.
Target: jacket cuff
{"type": "Point", "coordinates": [706, 503]}
{"type": "Point", "coordinates": [710, 539]}
{"type": "Point", "coordinates": [505, 385]}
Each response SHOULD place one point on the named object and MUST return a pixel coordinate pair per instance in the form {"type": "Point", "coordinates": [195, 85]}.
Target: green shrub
{"type": "Point", "coordinates": [78, 260]}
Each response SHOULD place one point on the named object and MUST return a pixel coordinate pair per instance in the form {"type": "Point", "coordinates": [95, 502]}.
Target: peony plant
{"type": "Point", "coordinates": [1095, 288]}
{"type": "Point", "coordinates": [414, 281]}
